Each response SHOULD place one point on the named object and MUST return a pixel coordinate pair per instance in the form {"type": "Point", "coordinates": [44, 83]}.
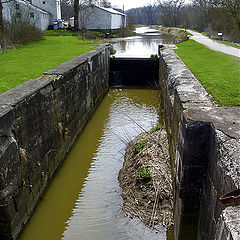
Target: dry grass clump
{"type": "Point", "coordinates": [146, 180]}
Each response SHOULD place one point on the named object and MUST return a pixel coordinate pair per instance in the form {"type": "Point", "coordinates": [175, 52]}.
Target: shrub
{"type": "Point", "coordinates": [19, 32]}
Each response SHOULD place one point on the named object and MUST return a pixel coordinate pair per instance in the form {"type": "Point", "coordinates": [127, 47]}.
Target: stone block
{"type": "Point", "coordinates": [39, 120]}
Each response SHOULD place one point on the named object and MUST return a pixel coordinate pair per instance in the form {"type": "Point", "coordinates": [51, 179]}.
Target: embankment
{"type": "Point", "coordinates": [39, 121]}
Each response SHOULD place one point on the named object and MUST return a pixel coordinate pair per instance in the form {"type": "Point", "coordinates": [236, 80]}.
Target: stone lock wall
{"type": "Point", "coordinates": [39, 121]}
{"type": "Point", "coordinates": [204, 147]}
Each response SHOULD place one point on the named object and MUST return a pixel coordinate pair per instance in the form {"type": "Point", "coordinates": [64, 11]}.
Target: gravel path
{"type": "Point", "coordinates": [214, 45]}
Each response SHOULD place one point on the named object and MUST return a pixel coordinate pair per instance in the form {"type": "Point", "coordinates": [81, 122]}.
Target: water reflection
{"type": "Point", "coordinates": [97, 214]}
{"type": "Point", "coordinates": [143, 44]}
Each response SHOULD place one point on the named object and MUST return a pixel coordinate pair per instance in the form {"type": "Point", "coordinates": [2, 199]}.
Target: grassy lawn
{"type": "Point", "coordinates": [31, 60]}
{"type": "Point", "coordinates": [218, 72]}
{"type": "Point", "coordinates": [231, 44]}
{"type": "Point", "coordinates": [59, 32]}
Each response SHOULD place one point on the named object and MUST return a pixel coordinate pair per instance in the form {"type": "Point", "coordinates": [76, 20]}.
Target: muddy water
{"type": "Point", "coordinates": [83, 202]}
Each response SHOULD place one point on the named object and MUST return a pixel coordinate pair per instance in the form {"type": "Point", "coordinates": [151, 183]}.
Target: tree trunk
{"type": "Point", "coordinates": [1, 21]}
{"type": "Point", "coordinates": [76, 14]}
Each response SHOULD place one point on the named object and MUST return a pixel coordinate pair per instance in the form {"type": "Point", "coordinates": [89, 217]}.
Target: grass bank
{"type": "Point", "coordinates": [231, 44]}
{"type": "Point", "coordinates": [30, 61]}
{"type": "Point", "coordinates": [178, 34]}
{"type": "Point", "coordinates": [218, 72]}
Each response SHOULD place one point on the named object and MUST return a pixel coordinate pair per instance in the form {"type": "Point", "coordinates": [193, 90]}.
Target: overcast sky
{"type": "Point", "coordinates": [132, 3]}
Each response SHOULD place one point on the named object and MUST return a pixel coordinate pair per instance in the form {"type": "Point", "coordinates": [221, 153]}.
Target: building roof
{"type": "Point", "coordinates": [110, 10]}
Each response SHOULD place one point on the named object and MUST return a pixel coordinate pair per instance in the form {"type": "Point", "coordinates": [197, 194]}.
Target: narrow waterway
{"type": "Point", "coordinates": [83, 202]}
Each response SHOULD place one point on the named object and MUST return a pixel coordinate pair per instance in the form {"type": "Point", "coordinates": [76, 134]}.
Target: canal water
{"type": "Point", "coordinates": [143, 45]}
{"type": "Point", "coordinates": [83, 202]}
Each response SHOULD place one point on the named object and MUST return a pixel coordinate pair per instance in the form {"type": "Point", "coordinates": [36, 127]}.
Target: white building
{"type": "Point", "coordinates": [50, 6]}
{"type": "Point", "coordinates": [40, 13]}
{"type": "Point", "coordinates": [94, 17]}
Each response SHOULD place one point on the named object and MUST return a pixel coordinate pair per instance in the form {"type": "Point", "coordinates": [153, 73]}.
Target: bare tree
{"type": "Point", "coordinates": [149, 14]}
{"type": "Point", "coordinates": [231, 7]}
{"type": "Point", "coordinates": [1, 21]}
{"type": "Point", "coordinates": [203, 6]}
{"type": "Point", "coordinates": [80, 7]}
{"type": "Point", "coordinates": [76, 12]}
{"type": "Point", "coordinates": [171, 11]}
{"type": "Point", "coordinates": [105, 3]}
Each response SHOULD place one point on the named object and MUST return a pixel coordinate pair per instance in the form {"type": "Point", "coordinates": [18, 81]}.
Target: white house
{"type": "Point", "coordinates": [94, 17]}
{"type": "Point", "coordinates": [51, 6]}
{"type": "Point", "coordinates": [40, 13]}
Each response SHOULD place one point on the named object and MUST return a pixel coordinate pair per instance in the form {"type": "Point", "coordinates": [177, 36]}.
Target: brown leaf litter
{"type": "Point", "coordinates": [150, 200]}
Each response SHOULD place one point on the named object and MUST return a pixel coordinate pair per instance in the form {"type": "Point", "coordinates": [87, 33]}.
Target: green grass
{"type": "Point", "coordinates": [223, 42]}
{"type": "Point", "coordinates": [231, 44]}
{"type": "Point", "coordinates": [188, 33]}
{"type": "Point", "coordinates": [31, 60]}
{"type": "Point", "coordinates": [204, 34]}
{"type": "Point", "coordinates": [136, 25]}
{"type": "Point", "coordinates": [218, 72]}
{"type": "Point", "coordinates": [59, 32]}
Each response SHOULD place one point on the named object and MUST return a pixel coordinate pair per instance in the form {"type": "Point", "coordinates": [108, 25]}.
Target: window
{"type": "Point", "coordinates": [31, 14]}
{"type": "Point", "coordinates": [17, 6]}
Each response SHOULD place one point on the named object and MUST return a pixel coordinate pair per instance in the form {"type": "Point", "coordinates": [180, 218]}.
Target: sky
{"type": "Point", "coordinates": [132, 3]}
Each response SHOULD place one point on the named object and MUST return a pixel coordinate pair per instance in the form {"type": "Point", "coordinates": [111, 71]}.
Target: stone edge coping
{"type": "Point", "coordinates": [15, 95]}
{"type": "Point", "coordinates": [197, 106]}
{"type": "Point", "coordinates": [182, 81]}
{"type": "Point", "coordinates": [196, 101]}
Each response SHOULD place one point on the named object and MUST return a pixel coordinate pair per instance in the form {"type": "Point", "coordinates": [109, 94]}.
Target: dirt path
{"type": "Point", "coordinates": [214, 45]}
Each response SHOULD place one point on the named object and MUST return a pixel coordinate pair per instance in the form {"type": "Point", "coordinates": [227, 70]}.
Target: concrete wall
{"type": "Point", "coordinates": [39, 121]}
{"type": "Point", "coordinates": [204, 147]}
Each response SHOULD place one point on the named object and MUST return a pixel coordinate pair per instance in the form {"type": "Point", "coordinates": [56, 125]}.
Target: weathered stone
{"type": "Point", "coordinates": [204, 147]}
{"type": "Point", "coordinates": [39, 121]}
{"type": "Point", "coordinates": [229, 224]}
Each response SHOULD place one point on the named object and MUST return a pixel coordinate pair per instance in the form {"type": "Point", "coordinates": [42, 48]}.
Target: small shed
{"type": "Point", "coordinates": [94, 17]}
